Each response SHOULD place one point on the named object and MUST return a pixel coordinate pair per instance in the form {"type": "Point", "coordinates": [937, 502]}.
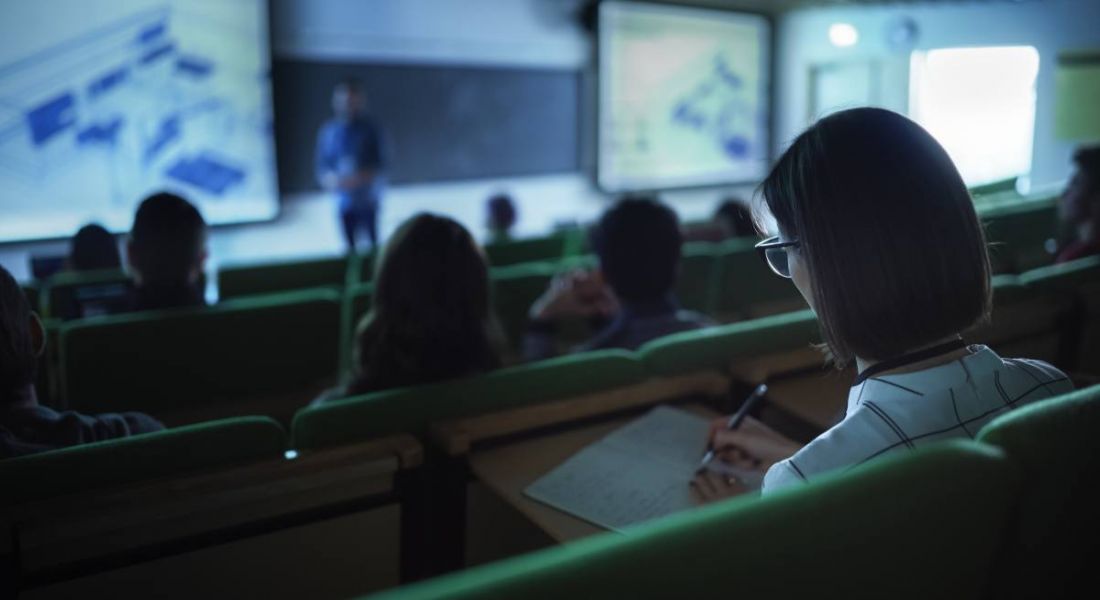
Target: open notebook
{"type": "Point", "coordinates": [639, 472]}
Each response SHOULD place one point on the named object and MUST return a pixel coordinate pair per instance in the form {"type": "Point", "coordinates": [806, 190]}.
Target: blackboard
{"type": "Point", "coordinates": [443, 122]}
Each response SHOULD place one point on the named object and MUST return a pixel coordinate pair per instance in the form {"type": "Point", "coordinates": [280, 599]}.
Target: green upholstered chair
{"type": "Point", "coordinates": [191, 448]}
{"type": "Point", "coordinates": [1055, 537]}
{"type": "Point", "coordinates": [1023, 322]}
{"type": "Point", "coordinates": [411, 410]}
{"type": "Point", "coordinates": [77, 294]}
{"type": "Point", "coordinates": [920, 525]}
{"type": "Point", "coordinates": [364, 266]}
{"type": "Point", "coordinates": [1066, 278]}
{"type": "Point", "coordinates": [1017, 235]}
{"type": "Point", "coordinates": [697, 282]}
{"type": "Point", "coordinates": [205, 358]}
{"type": "Point", "coordinates": [235, 281]}
{"type": "Point", "coordinates": [360, 298]}
{"type": "Point", "coordinates": [513, 252]}
{"type": "Point", "coordinates": [747, 287]}
{"type": "Point", "coordinates": [715, 348]}
{"type": "Point", "coordinates": [1076, 286]}
{"type": "Point", "coordinates": [999, 187]}
{"type": "Point", "coordinates": [515, 288]}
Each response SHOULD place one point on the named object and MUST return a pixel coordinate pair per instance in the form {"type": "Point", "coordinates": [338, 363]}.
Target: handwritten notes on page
{"type": "Point", "coordinates": [639, 472]}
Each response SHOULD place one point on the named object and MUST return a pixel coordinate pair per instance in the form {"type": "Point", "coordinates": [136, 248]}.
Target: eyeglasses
{"type": "Point", "coordinates": [776, 254]}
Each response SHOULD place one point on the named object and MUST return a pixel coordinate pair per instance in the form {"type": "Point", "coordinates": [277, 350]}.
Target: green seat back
{"type": "Point", "coordinates": [73, 294]}
{"type": "Point", "coordinates": [550, 248]}
{"type": "Point", "coordinates": [253, 280]}
{"type": "Point", "coordinates": [1076, 282]}
{"type": "Point", "coordinates": [1008, 289]}
{"type": "Point", "coordinates": [714, 348]}
{"type": "Point", "coordinates": [1056, 535]}
{"type": "Point", "coordinates": [996, 187]}
{"type": "Point", "coordinates": [413, 409]}
{"type": "Point", "coordinates": [361, 298]}
{"type": "Point", "coordinates": [515, 288]}
{"type": "Point", "coordinates": [367, 265]}
{"type": "Point", "coordinates": [697, 281]}
{"type": "Point", "coordinates": [747, 286]}
{"type": "Point", "coordinates": [1017, 235]}
{"type": "Point", "coordinates": [178, 359]}
{"type": "Point", "coordinates": [1064, 279]}
{"type": "Point", "coordinates": [920, 525]}
{"type": "Point", "coordinates": [138, 458]}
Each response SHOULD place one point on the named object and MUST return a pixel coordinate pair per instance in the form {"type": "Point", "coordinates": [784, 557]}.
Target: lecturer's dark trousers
{"type": "Point", "coordinates": [362, 218]}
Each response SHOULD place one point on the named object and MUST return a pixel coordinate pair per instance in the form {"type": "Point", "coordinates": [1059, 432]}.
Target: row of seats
{"type": "Point", "coordinates": [1007, 516]}
{"type": "Point", "coordinates": [235, 281]}
{"type": "Point", "coordinates": [272, 354]}
{"type": "Point", "coordinates": [1017, 230]}
{"type": "Point", "coordinates": [981, 522]}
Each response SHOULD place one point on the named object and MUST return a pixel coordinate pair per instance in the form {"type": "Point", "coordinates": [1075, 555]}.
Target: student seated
{"type": "Point", "coordinates": [167, 252]}
{"type": "Point", "coordinates": [1079, 207]}
{"type": "Point", "coordinates": [26, 427]}
{"type": "Point", "coordinates": [638, 245]}
{"type": "Point", "coordinates": [732, 219]}
{"type": "Point", "coordinates": [500, 218]}
{"type": "Point", "coordinates": [855, 198]}
{"type": "Point", "coordinates": [431, 318]}
{"type": "Point", "coordinates": [93, 248]}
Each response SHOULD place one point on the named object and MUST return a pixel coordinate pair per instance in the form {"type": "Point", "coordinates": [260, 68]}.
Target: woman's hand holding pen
{"type": "Point", "coordinates": [751, 446]}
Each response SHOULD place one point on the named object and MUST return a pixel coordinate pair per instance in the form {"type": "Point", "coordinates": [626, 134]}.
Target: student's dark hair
{"type": "Point", "coordinates": [638, 242]}
{"type": "Point", "coordinates": [94, 248]}
{"type": "Point", "coordinates": [431, 318]}
{"type": "Point", "coordinates": [18, 356]}
{"type": "Point", "coordinates": [888, 233]}
{"type": "Point", "coordinates": [502, 211]}
{"type": "Point", "coordinates": [167, 239]}
{"type": "Point", "coordinates": [1088, 163]}
{"type": "Point", "coordinates": [736, 217]}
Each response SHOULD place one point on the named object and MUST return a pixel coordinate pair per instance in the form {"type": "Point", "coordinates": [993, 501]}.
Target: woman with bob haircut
{"type": "Point", "coordinates": [431, 318]}
{"type": "Point", "coordinates": [879, 234]}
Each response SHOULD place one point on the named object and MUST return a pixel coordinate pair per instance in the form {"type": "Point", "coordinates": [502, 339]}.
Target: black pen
{"type": "Point", "coordinates": [735, 420]}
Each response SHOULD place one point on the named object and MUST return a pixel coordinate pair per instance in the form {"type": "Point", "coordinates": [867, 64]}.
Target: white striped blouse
{"type": "Point", "coordinates": [891, 413]}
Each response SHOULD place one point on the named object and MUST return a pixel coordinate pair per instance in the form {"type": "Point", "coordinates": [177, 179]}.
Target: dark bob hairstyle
{"type": "Point", "coordinates": [887, 231]}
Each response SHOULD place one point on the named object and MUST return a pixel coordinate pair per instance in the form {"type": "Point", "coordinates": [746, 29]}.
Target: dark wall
{"type": "Point", "coordinates": [443, 122]}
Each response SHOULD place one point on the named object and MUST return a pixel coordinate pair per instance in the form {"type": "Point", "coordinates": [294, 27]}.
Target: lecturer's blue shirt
{"type": "Point", "coordinates": [345, 147]}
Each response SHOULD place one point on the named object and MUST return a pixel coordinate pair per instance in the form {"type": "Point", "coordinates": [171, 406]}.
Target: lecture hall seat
{"type": "Point", "coordinates": [1054, 539]}
{"type": "Point", "coordinates": [268, 355]}
{"type": "Point", "coordinates": [235, 281]}
{"type": "Point", "coordinates": [921, 525]}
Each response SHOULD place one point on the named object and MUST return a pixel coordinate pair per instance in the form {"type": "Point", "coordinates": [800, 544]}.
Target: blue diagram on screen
{"type": "Point", "coordinates": [172, 96]}
{"type": "Point", "coordinates": [719, 108]}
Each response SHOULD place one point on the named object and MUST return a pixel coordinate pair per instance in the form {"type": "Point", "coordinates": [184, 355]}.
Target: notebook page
{"type": "Point", "coordinates": [639, 472]}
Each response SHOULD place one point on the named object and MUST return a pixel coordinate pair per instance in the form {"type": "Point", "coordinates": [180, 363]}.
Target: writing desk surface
{"type": "Point", "coordinates": [508, 470]}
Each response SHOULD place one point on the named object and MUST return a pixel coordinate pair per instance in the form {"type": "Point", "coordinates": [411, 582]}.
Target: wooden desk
{"type": "Point", "coordinates": [817, 398]}
{"type": "Point", "coordinates": [83, 535]}
{"type": "Point", "coordinates": [508, 470]}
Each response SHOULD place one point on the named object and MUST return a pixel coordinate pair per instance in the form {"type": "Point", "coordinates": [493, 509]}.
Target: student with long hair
{"type": "Point", "coordinates": [879, 234]}
{"type": "Point", "coordinates": [431, 319]}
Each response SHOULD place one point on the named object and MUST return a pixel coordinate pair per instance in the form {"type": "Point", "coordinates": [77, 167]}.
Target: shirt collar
{"type": "Point", "coordinates": [907, 386]}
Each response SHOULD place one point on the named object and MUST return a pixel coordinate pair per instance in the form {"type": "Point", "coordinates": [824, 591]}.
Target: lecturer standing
{"type": "Point", "coordinates": [351, 160]}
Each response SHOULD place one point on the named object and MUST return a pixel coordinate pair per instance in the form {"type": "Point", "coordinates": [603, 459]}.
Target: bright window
{"type": "Point", "coordinates": [980, 104]}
